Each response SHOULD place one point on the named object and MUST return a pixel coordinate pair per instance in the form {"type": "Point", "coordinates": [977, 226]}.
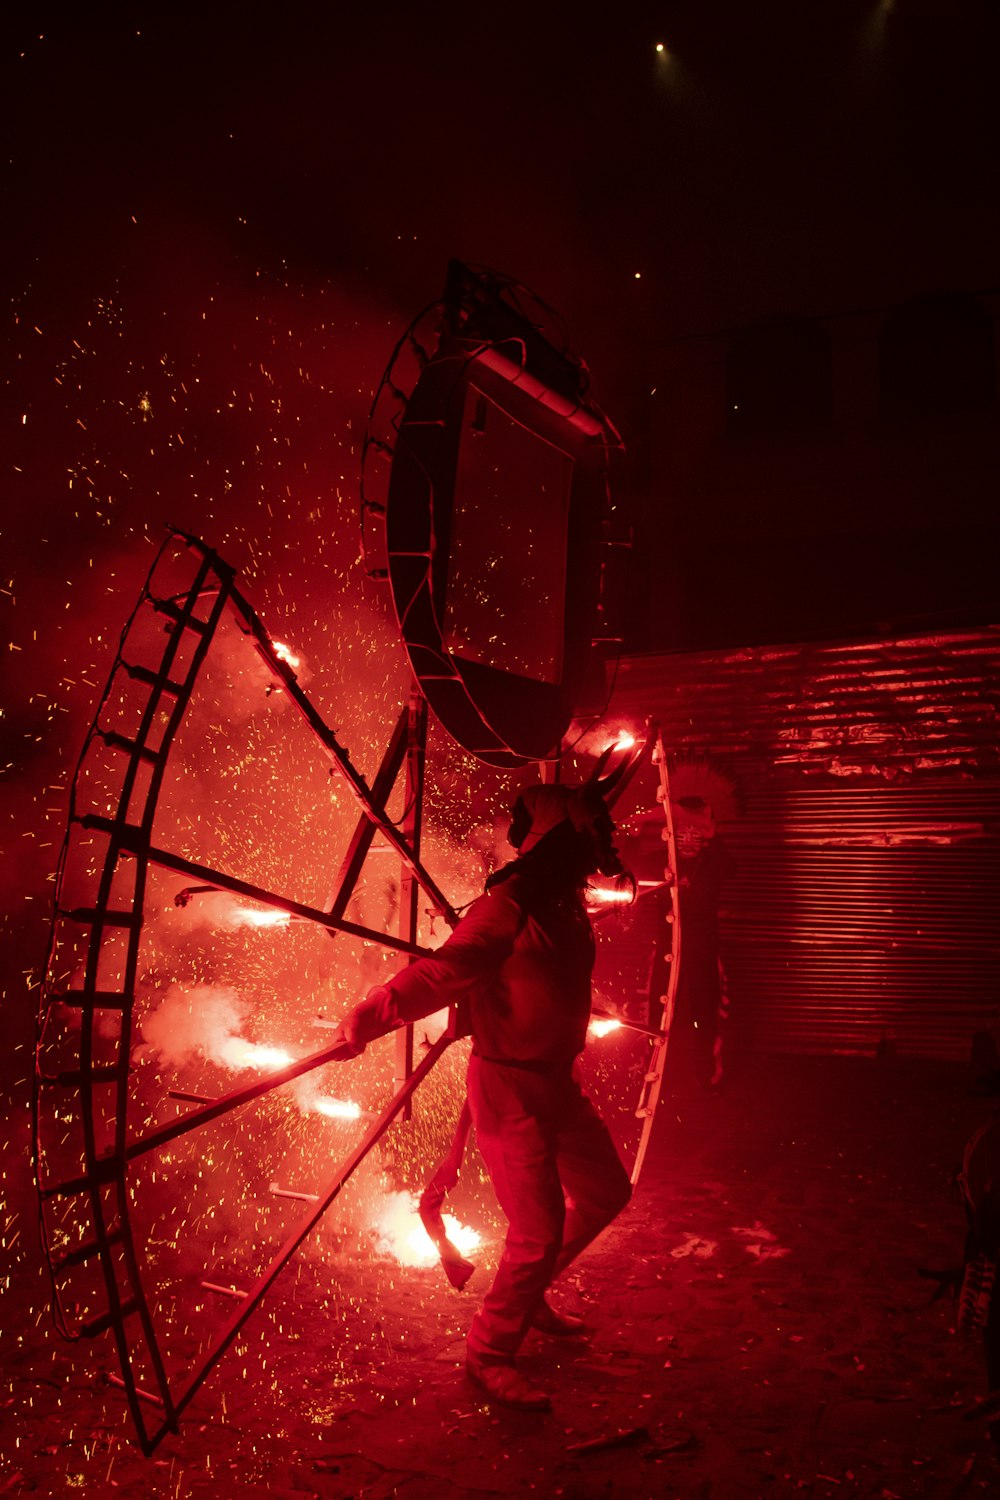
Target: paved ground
{"type": "Point", "coordinates": [759, 1329]}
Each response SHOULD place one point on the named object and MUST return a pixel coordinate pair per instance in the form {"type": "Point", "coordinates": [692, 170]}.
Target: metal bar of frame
{"type": "Point", "coordinates": [212, 1109]}
{"type": "Point", "coordinates": [653, 1080]}
{"type": "Point", "coordinates": [131, 841]}
{"type": "Point", "coordinates": [409, 891]}
{"type": "Point", "coordinates": [364, 831]}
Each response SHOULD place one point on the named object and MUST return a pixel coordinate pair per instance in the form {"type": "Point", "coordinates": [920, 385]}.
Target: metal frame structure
{"type": "Point", "coordinates": [85, 1027]}
{"type": "Point", "coordinates": [81, 1075]}
{"type": "Point", "coordinates": [495, 347]}
{"type": "Point", "coordinates": [652, 1082]}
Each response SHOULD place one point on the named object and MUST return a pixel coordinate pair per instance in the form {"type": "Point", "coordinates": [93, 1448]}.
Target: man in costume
{"type": "Point", "coordinates": [520, 963]}
{"type": "Point", "coordinates": [703, 865]}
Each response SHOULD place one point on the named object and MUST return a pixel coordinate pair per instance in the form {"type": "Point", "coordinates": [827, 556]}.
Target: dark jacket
{"type": "Point", "coordinates": [521, 959]}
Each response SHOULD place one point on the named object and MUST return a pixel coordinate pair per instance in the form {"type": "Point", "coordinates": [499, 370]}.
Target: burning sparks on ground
{"type": "Point", "coordinates": [400, 1232]}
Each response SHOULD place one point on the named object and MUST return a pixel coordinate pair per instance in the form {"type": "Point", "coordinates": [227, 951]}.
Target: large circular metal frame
{"type": "Point", "coordinates": [86, 1147]}
{"type": "Point", "coordinates": [492, 347]}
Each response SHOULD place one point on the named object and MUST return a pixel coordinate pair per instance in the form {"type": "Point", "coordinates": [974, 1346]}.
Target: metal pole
{"type": "Point", "coordinates": [409, 886]}
{"type": "Point", "coordinates": [653, 1080]}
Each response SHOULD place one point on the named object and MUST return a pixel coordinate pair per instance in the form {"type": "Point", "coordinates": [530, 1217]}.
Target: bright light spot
{"type": "Point", "coordinates": [287, 654]}
{"type": "Point", "coordinates": [337, 1109]}
{"type": "Point", "coordinates": [606, 895]}
{"type": "Point", "coordinates": [400, 1232]}
{"type": "Point", "coordinates": [602, 1025]}
{"type": "Point", "coordinates": [638, 275]}
{"type": "Point", "coordinates": [248, 916]}
{"type": "Point", "coordinates": [235, 1052]}
{"type": "Point", "coordinates": [660, 47]}
{"type": "Point", "coordinates": [625, 740]}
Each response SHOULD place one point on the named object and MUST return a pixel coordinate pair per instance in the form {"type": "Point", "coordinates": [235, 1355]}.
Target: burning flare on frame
{"type": "Point", "coordinates": [603, 1025]}
{"type": "Point", "coordinates": [287, 654]}
{"type": "Point", "coordinates": [237, 1053]}
{"type": "Point", "coordinates": [250, 916]}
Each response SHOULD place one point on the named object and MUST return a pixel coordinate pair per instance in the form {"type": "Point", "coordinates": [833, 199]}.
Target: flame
{"type": "Point", "coordinates": [336, 1109]}
{"type": "Point", "coordinates": [287, 654]}
{"type": "Point", "coordinates": [607, 895]}
{"type": "Point", "coordinates": [250, 916]}
{"type": "Point", "coordinates": [400, 1232]}
{"type": "Point", "coordinates": [625, 740]}
{"type": "Point", "coordinates": [237, 1052]}
{"type": "Point", "coordinates": [602, 1025]}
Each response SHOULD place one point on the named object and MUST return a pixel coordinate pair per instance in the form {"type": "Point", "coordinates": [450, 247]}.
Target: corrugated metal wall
{"type": "Point", "coordinates": [866, 903]}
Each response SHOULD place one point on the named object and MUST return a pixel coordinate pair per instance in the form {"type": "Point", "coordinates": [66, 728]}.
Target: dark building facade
{"type": "Point", "coordinates": [822, 477]}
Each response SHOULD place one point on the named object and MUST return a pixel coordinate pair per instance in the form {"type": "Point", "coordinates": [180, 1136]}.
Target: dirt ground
{"type": "Point", "coordinates": [759, 1328]}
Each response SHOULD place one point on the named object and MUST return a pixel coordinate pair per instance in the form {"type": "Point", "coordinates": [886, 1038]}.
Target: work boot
{"type": "Point", "coordinates": [557, 1325]}
{"type": "Point", "coordinates": [505, 1383]}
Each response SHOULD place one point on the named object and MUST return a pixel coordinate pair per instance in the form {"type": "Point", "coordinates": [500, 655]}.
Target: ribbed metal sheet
{"type": "Point", "coordinates": [865, 908]}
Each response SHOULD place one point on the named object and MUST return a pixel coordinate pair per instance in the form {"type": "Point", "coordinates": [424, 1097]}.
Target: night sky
{"type": "Point", "coordinates": [219, 220]}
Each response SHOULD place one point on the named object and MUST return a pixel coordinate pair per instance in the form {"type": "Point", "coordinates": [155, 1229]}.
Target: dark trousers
{"type": "Point", "coordinates": [558, 1179]}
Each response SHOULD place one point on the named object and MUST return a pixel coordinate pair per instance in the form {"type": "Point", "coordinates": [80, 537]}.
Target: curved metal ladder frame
{"type": "Point", "coordinates": [95, 1197]}
{"type": "Point", "coordinates": [652, 1083]}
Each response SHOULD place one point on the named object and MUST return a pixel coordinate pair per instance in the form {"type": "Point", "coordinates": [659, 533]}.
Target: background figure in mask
{"type": "Point", "coordinates": [703, 864]}
{"type": "Point", "coordinates": [520, 961]}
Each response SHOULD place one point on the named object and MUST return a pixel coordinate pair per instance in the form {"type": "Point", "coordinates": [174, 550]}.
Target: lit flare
{"type": "Point", "coordinates": [286, 654]}
{"type": "Point", "coordinates": [336, 1109]}
{"type": "Point", "coordinates": [237, 1052]}
{"type": "Point", "coordinates": [401, 1234]}
{"type": "Point", "coordinates": [250, 916]}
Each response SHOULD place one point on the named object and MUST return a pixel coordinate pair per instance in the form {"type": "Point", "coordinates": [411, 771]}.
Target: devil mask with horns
{"type": "Point", "coordinates": [566, 832]}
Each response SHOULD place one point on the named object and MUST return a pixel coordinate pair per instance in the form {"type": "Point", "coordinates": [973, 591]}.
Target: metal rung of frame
{"type": "Point", "coordinates": [115, 741]}
{"type": "Point", "coordinates": [101, 1172]}
{"type": "Point", "coordinates": [110, 1319]}
{"type": "Point", "coordinates": [109, 1073]}
{"type": "Point", "coordinates": [175, 612]}
{"type": "Point", "coordinates": [152, 679]}
{"type": "Point", "coordinates": [85, 1253]}
{"type": "Point", "coordinates": [93, 1000]}
{"type": "Point", "coordinates": [92, 916]}
{"type": "Point", "coordinates": [142, 1395]}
